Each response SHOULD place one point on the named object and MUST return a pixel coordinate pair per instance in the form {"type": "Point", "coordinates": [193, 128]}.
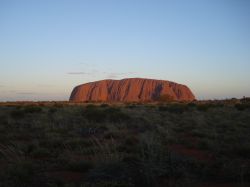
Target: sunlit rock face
{"type": "Point", "coordinates": [130, 90]}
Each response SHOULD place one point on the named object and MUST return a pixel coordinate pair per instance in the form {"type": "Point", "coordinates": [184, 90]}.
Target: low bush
{"type": "Point", "coordinates": [191, 105]}
{"type": "Point", "coordinates": [174, 108]}
{"type": "Point", "coordinates": [40, 152]}
{"type": "Point", "coordinates": [116, 115]}
{"type": "Point", "coordinates": [3, 120]}
{"type": "Point", "coordinates": [77, 143]}
{"type": "Point", "coordinates": [112, 171]}
{"type": "Point", "coordinates": [153, 144]}
{"type": "Point", "coordinates": [99, 115]}
{"type": "Point", "coordinates": [242, 107]}
{"type": "Point", "coordinates": [32, 109]}
{"type": "Point", "coordinates": [20, 174]}
{"type": "Point", "coordinates": [94, 114]}
{"type": "Point", "coordinates": [52, 110]}
{"type": "Point", "coordinates": [131, 106]}
{"type": "Point", "coordinates": [91, 106]}
{"type": "Point", "coordinates": [203, 107]}
{"type": "Point", "coordinates": [17, 114]}
{"type": "Point", "coordinates": [79, 165]}
{"type": "Point", "coordinates": [104, 105]}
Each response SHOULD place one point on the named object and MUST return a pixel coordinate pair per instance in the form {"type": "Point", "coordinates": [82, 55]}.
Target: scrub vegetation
{"type": "Point", "coordinates": [52, 144]}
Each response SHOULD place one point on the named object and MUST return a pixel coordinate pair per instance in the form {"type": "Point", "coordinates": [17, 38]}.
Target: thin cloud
{"type": "Point", "coordinates": [25, 93]}
{"type": "Point", "coordinates": [132, 72]}
{"type": "Point", "coordinates": [45, 85]}
{"type": "Point", "coordinates": [78, 73]}
{"type": "Point", "coordinates": [94, 71]}
{"type": "Point", "coordinates": [108, 75]}
{"type": "Point", "coordinates": [112, 76]}
{"type": "Point", "coordinates": [86, 64]}
{"type": "Point", "coordinates": [117, 75]}
{"type": "Point", "coordinates": [13, 91]}
{"type": "Point", "coordinates": [89, 72]}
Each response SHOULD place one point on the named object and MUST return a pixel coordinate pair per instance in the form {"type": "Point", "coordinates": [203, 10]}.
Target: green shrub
{"type": "Point", "coordinates": [118, 146]}
{"type": "Point", "coordinates": [3, 120]}
{"type": "Point", "coordinates": [104, 105]}
{"type": "Point", "coordinates": [79, 165]}
{"type": "Point", "coordinates": [77, 143]}
{"type": "Point", "coordinates": [58, 105]}
{"type": "Point", "coordinates": [94, 114]}
{"type": "Point", "coordinates": [108, 184]}
{"type": "Point", "coordinates": [17, 114]}
{"type": "Point", "coordinates": [20, 174]}
{"type": "Point", "coordinates": [242, 107]}
{"type": "Point", "coordinates": [98, 115]}
{"type": "Point", "coordinates": [245, 100]}
{"type": "Point", "coordinates": [113, 135]}
{"type": "Point", "coordinates": [112, 171]}
{"type": "Point", "coordinates": [235, 171]}
{"type": "Point", "coordinates": [152, 160]}
{"type": "Point", "coordinates": [174, 108]}
{"type": "Point", "coordinates": [91, 106]}
{"type": "Point", "coordinates": [116, 115]}
{"type": "Point", "coordinates": [52, 143]}
{"type": "Point", "coordinates": [242, 151]}
{"type": "Point", "coordinates": [32, 109]}
{"type": "Point", "coordinates": [52, 110]}
{"type": "Point", "coordinates": [191, 105]}
{"type": "Point", "coordinates": [131, 140]}
{"type": "Point", "coordinates": [203, 107]}
{"type": "Point", "coordinates": [204, 144]}
{"type": "Point", "coordinates": [40, 152]}
{"type": "Point", "coordinates": [163, 108]}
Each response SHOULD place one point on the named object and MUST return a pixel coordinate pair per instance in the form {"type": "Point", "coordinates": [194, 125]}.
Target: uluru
{"type": "Point", "coordinates": [130, 90]}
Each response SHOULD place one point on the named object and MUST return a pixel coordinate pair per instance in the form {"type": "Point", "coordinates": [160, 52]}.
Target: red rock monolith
{"type": "Point", "coordinates": [130, 90]}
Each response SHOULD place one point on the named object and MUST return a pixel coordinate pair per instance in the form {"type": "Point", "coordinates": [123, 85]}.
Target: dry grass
{"type": "Point", "coordinates": [131, 144]}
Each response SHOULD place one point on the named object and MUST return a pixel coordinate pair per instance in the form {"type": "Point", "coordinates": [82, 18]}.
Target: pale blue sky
{"type": "Point", "coordinates": [49, 46]}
